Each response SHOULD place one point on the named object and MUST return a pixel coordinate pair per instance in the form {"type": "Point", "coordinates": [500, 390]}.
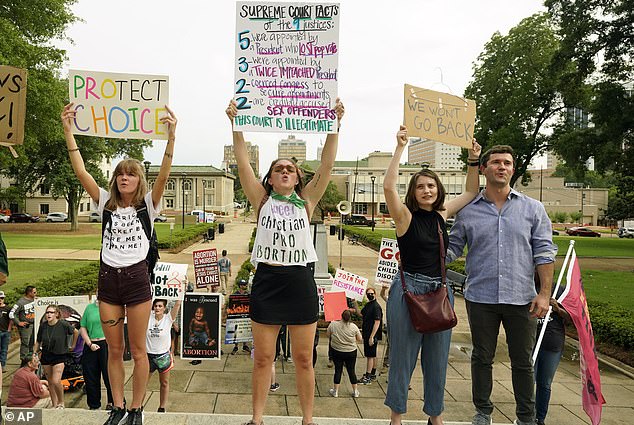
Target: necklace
{"type": "Point", "coordinates": [49, 335]}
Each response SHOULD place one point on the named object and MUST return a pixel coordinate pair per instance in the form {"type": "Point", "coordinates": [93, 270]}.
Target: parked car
{"type": "Point", "coordinates": [583, 231]}
{"type": "Point", "coordinates": [56, 216]}
{"type": "Point", "coordinates": [358, 220]}
{"type": "Point", "coordinates": [626, 232]}
{"type": "Point", "coordinates": [23, 218]}
{"type": "Point", "coordinates": [94, 217]}
{"type": "Point", "coordinates": [4, 218]}
{"type": "Point", "coordinates": [160, 219]}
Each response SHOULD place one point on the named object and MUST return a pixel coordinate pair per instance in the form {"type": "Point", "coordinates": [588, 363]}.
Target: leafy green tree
{"type": "Point", "coordinates": [589, 30]}
{"type": "Point", "coordinates": [576, 216]}
{"type": "Point", "coordinates": [43, 159]}
{"type": "Point", "coordinates": [517, 90]}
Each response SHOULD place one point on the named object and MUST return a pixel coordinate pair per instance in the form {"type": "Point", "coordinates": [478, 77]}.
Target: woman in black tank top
{"type": "Point", "coordinates": [417, 221]}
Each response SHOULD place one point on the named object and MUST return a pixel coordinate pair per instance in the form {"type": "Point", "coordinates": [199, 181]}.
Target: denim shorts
{"type": "Point", "coordinates": [124, 285]}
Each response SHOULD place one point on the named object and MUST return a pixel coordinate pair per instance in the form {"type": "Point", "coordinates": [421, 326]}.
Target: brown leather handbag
{"type": "Point", "coordinates": [431, 312]}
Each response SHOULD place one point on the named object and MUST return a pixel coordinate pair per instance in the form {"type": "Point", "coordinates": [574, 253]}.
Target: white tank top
{"type": "Point", "coordinates": [283, 236]}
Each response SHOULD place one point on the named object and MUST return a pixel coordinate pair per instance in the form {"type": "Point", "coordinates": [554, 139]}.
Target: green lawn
{"type": "Point", "coordinates": [613, 288]}
{"type": "Point", "coordinates": [26, 272]}
{"type": "Point", "coordinates": [70, 241]}
{"type": "Point", "coordinates": [585, 247]}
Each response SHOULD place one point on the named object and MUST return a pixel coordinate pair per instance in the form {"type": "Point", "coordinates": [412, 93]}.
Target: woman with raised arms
{"type": "Point", "coordinates": [124, 282]}
{"type": "Point", "coordinates": [284, 290]}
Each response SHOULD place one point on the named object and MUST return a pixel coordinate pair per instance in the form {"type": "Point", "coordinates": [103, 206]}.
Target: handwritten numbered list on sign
{"type": "Point", "coordinates": [124, 106]}
{"type": "Point", "coordinates": [286, 67]}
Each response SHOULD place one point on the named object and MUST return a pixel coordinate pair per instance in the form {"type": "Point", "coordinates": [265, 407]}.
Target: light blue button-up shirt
{"type": "Point", "coordinates": [503, 248]}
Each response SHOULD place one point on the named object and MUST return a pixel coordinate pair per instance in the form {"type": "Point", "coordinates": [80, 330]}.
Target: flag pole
{"type": "Point", "coordinates": [550, 309]}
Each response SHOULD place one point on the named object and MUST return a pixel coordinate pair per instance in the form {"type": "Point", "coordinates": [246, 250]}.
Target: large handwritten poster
{"type": "Point", "coordinates": [440, 117]}
{"type": "Point", "coordinates": [169, 281]}
{"type": "Point", "coordinates": [353, 285]}
{"type": "Point", "coordinates": [12, 104]}
{"type": "Point", "coordinates": [286, 68]}
{"type": "Point", "coordinates": [124, 106]}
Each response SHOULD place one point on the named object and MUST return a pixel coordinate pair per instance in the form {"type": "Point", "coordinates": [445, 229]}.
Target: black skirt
{"type": "Point", "coordinates": [284, 295]}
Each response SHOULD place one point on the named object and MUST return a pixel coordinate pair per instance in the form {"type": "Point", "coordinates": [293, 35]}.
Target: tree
{"type": "Point", "coordinates": [328, 202]}
{"type": "Point", "coordinates": [43, 159]}
{"type": "Point", "coordinates": [598, 37]}
{"type": "Point", "coordinates": [517, 90]}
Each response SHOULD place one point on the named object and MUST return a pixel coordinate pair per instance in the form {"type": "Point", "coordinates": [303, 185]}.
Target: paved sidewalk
{"type": "Point", "coordinates": [224, 387]}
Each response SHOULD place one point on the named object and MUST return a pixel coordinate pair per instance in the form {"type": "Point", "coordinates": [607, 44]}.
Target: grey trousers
{"type": "Point", "coordinates": [26, 341]}
{"type": "Point", "coordinates": [520, 328]}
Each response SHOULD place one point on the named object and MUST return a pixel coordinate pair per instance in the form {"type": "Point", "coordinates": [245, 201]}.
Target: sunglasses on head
{"type": "Point", "coordinates": [290, 168]}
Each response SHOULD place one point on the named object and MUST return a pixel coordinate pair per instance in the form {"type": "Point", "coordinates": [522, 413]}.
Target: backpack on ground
{"type": "Point", "coordinates": [143, 216]}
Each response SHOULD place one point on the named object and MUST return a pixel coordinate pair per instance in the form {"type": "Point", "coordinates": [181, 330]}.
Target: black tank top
{"type": "Point", "coordinates": [420, 245]}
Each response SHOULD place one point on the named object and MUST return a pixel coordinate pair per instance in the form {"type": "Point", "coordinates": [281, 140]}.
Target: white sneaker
{"type": "Point", "coordinates": [355, 394]}
{"type": "Point", "coordinates": [333, 392]}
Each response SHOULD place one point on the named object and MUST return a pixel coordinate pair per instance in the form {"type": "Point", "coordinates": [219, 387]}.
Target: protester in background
{"type": "Point", "coordinates": [5, 331]}
{"type": "Point", "coordinates": [284, 290]}
{"type": "Point", "coordinates": [420, 223]}
{"type": "Point", "coordinates": [124, 279]}
{"type": "Point", "coordinates": [372, 322]}
{"type": "Point", "coordinates": [52, 345]}
{"type": "Point", "coordinates": [550, 352]}
{"type": "Point", "coordinates": [94, 359]}
{"type": "Point", "coordinates": [283, 345]}
{"type": "Point", "coordinates": [344, 336]}
{"type": "Point", "coordinates": [508, 235]}
{"type": "Point", "coordinates": [27, 390]}
{"type": "Point", "coordinates": [158, 343]}
{"type": "Point", "coordinates": [23, 316]}
{"type": "Point", "coordinates": [224, 266]}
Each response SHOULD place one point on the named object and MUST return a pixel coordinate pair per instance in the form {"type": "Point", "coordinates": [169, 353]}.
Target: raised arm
{"type": "Point", "coordinates": [166, 165]}
{"type": "Point", "coordinates": [472, 186]}
{"type": "Point", "coordinates": [174, 311]}
{"type": "Point", "coordinates": [86, 180]}
{"type": "Point", "coordinates": [397, 209]}
{"type": "Point", "coordinates": [315, 189]}
{"type": "Point", "coordinates": [252, 187]}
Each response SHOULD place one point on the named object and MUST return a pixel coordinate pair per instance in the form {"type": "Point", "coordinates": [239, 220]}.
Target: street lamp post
{"type": "Point", "coordinates": [373, 178]}
{"type": "Point", "coordinates": [183, 196]}
{"type": "Point", "coordinates": [204, 212]}
{"type": "Point", "coordinates": [147, 170]}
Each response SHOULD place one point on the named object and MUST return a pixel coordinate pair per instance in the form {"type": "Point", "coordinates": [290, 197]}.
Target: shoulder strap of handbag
{"type": "Point", "coordinates": [443, 271]}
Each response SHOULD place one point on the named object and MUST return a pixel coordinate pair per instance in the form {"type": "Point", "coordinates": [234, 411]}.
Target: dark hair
{"type": "Point", "coordinates": [300, 176]}
{"type": "Point", "coordinates": [159, 300]}
{"type": "Point", "coordinates": [29, 289]}
{"type": "Point", "coordinates": [410, 198]}
{"type": "Point", "coordinates": [346, 315]}
{"type": "Point", "coordinates": [497, 149]}
{"type": "Point", "coordinates": [27, 359]}
{"type": "Point", "coordinates": [224, 252]}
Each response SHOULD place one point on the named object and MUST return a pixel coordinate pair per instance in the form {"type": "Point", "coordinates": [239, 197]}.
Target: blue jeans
{"type": "Point", "coordinates": [406, 343]}
{"type": "Point", "coordinates": [5, 338]}
{"type": "Point", "coordinates": [545, 367]}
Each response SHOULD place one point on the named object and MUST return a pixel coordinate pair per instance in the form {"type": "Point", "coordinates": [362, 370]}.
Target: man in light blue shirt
{"type": "Point", "coordinates": [508, 236]}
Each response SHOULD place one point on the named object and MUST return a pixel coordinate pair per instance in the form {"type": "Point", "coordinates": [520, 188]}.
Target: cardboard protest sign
{"type": "Point", "coordinates": [334, 304]}
{"type": "Point", "coordinates": [12, 105]}
{"type": "Point", "coordinates": [124, 106]}
{"type": "Point", "coordinates": [286, 67]}
{"type": "Point", "coordinates": [387, 264]}
{"type": "Point", "coordinates": [206, 268]}
{"type": "Point", "coordinates": [200, 327]}
{"type": "Point", "coordinates": [353, 285]}
{"type": "Point", "coordinates": [170, 281]}
{"type": "Point", "coordinates": [71, 307]}
{"type": "Point", "coordinates": [238, 327]}
{"type": "Point", "coordinates": [438, 116]}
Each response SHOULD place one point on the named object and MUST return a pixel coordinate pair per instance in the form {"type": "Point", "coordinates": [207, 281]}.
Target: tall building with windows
{"type": "Point", "coordinates": [438, 155]}
{"type": "Point", "coordinates": [292, 147]}
{"type": "Point", "coordinates": [231, 164]}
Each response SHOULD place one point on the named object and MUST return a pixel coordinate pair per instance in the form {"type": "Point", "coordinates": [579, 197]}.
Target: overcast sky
{"type": "Point", "coordinates": [382, 45]}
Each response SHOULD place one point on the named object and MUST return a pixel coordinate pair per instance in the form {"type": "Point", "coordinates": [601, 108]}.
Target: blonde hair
{"type": "Point", "coordinates": [127, 166]}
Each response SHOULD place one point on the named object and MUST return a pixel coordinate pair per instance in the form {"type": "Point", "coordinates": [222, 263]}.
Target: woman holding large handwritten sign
{"type": "Point", "coordinates": [418, 221]}
{"type": "Point", "coordinates": [284, 290]}
{"type": "Point", "coordinates": [128, 210]}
